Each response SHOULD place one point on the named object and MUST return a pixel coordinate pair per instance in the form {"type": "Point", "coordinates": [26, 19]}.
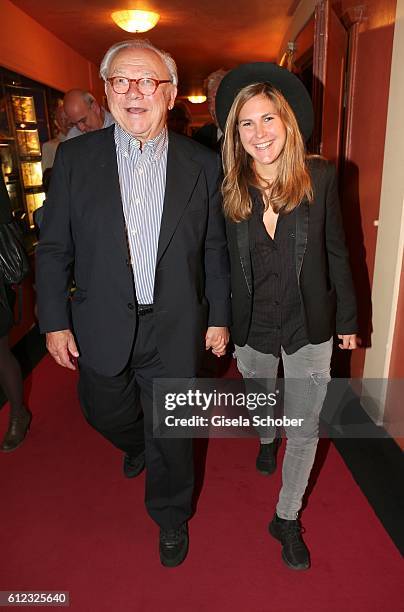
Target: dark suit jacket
{"type": "Point", "coordinates": [207, 135]}
{"type": "Point", "coordinates": [83, 234]}
{"type": "Point", "coordinates": [322, 264]}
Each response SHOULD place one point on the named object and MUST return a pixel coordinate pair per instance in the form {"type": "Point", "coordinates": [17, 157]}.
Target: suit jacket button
{"type": "Point", "coordinates": [131, 306]}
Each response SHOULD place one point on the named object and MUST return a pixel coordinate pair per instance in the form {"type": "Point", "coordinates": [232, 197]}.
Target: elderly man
{"type": "Point", "coordinates": [135, 216]}
{"type": "Point", "coordinates": [84, 113]}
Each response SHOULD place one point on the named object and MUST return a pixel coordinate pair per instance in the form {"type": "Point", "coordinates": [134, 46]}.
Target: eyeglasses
{"type": "Point", "coordinates": [146, 85]}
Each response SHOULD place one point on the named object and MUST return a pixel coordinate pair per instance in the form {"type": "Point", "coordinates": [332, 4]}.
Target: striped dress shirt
{"type": "Point", "coordinates": [142, 178]}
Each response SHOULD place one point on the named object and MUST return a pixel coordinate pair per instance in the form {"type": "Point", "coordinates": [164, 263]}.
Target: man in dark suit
{"type": "Point", "coordinates": [134, 215]}
{"type": "Point", "coordinates": [210, 134]}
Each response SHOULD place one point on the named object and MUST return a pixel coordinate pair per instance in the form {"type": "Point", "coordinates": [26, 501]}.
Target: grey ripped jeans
{"type": "Point", "coordinates": [307, 373]}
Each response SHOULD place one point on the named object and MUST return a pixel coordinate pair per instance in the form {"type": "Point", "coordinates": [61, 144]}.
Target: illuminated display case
{"type": "Point", "coordinates": [26, 110]}
{"type": "Point", "coordinates": [28, 143]}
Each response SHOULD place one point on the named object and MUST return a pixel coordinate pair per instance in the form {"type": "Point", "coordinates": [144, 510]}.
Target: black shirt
{"type": "Point", "coordinates": [277, 318]}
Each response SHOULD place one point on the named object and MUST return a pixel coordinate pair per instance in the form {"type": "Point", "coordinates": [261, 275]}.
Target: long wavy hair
{"type": "Point", "coordinates": [293, 182]}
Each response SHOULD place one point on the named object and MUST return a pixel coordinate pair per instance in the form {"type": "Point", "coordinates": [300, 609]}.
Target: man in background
{"type": "Point", "coordinates": [49, 147]}
{"type": "Point", "coordinates": [210, 134]}
{"type": "Point", "coordinates": [84, 114]}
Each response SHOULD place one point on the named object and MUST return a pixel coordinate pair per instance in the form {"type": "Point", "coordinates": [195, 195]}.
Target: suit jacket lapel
{"type": "Point", "coordinates": [109, 187]}
{"type": "Point", "coordinates": [182, 174]}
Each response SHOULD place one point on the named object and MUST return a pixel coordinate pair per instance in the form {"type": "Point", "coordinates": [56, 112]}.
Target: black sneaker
{"type": "Point", "coordinates": [133, 466]}
{"type": "Point", "coordinates": [294, 552]}
{"type": "Point", "coordinates": [266, 458]}
{"type": "Point", "coordinates": [173, 545]}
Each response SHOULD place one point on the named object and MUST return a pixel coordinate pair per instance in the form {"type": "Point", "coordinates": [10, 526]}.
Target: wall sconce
{"type": "Point", "coordinates": [135, 21]}
{"type": "Point", "coordinates": [196, 99]}
{"type": "Point", "coordinates": [288, 57]}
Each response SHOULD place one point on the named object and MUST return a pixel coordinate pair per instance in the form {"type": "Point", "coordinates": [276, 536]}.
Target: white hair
{"type": "Point", "coordinates": [138, 43]}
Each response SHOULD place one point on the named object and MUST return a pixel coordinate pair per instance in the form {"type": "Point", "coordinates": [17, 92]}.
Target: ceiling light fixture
{"type": "Point", "coordinates": [135, 21]}
{"type": "Point", "coordinates": [197, 99]}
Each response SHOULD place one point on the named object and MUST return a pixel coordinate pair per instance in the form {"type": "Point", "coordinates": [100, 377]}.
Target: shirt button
{"type": "Point", "coordinates": [137, 201]}
{"type": "Point", "coordinates": [276, 303]}
{"type": "Point", "coordinates": [131, 306]}
{"type": "Point", "coordinates": [140, 170]}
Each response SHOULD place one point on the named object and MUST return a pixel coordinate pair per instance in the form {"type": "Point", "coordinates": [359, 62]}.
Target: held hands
{"type": "Point", "coordinates": [62, 347]}
{"type": "Point", "coordinates": [349, 341]}
{"type": "Point", "coordinates": [217, 338]}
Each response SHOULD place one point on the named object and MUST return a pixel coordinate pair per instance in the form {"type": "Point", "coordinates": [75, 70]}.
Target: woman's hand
{"type": "Point", "coordinates": [349, 341]}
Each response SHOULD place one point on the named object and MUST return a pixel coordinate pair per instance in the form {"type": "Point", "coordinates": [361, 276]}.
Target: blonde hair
{"type": "Point", "coordinates": [293, 182]}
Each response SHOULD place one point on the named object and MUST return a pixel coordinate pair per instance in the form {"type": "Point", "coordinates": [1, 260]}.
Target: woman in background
{"type": "Point", "coordinates": [10, 371]}
{"type": "Point", "coordinates": [291, 281]}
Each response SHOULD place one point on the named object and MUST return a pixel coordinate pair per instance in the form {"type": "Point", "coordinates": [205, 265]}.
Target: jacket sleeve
{"type": "Point", "coordinates": [217, 268]}
{"type": "Point", "coordinates": [55, 253]}
{"type": "Point", "coordinates": [338, 259]}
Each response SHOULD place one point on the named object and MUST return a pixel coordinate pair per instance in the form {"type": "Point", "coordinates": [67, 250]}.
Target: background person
{"type": "Point", "coordinates": [291, 281]}
{"type": "Point", "coordinates": [210, 134]}
{"type": "Point", "coordinates": [49, 147]}
{"type": "Point", "coordinates": [84, 113]}
{"type": "Point", "coordinates": [179, 119]}
{"type": "Point", "coordinates": [10, 371]}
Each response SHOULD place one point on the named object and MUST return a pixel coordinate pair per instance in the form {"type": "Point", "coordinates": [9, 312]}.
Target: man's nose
{"type": "Point", "coordinates": [133, 90]}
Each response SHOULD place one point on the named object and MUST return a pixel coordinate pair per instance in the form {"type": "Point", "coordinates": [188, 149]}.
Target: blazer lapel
{"type": "Point", "coordinates": [109, 188]}
{"type": "Point", "coordinates": [302, 229]}
{"type": "Point", "coordinates": [243, 244]}
{"type": "Point", "coordinates": [181, 177]}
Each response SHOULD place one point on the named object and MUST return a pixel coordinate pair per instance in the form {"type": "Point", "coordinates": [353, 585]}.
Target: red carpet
{"type": "Point", "coordinates": [70, 521]}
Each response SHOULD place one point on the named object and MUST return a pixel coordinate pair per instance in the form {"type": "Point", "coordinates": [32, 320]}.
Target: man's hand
{"type": "Point", "coordinates": [349, 341]}
{"type": "Point", "coordinates": [62, 347]}
{"type": "Point", "coordinates": [217, 338]}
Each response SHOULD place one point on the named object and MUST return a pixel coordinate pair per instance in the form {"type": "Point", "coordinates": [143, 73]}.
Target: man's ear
{"type": "Point", "coordinates": [173, 95]}
{"type": "Point", "coordinates": [96, 107]}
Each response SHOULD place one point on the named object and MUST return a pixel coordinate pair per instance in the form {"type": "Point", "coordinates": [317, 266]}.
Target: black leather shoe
{"type": "Point", "coordinates": [16, 432]}
{"type": "Point", "coordinates": [294, 552]}
{"type": "Point", "coordinates": [133, 466]}
{"type": "Point", "coordinates": [173, 545]}
{"type": "Point", "coordinates": [266, 458]}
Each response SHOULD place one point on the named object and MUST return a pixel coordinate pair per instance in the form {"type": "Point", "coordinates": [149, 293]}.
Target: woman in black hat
{"type": "Point", "coordinates": [10, 371]}
{"type": "Point", "coordinates": [291, 280]}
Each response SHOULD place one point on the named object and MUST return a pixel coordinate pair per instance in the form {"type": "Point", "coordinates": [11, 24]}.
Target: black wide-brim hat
{"type": "Point", "coordinates": [290, 86]}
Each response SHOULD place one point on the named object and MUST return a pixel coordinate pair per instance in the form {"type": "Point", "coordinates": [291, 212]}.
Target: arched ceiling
{"type": "Point", "coordinates": [201, 36]}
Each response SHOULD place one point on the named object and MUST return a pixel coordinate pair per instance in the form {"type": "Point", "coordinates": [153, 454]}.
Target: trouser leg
{"type": "Point", "coordinates": [169, 461]}
{"type": "Point", "coordinates": [255, 365]}
{"type": "Point", "coordinates": [121, 409]}
{"type": "Point", "coordinates": [111, 406]}
{"type": "Point", "coordinates": [307, 373]}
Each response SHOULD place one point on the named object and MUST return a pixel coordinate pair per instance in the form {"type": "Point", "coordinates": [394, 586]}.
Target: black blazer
{"type": "Point", "coordinates": [322, 264]}
{"type": "Point", "coordinates": [83, 234]}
